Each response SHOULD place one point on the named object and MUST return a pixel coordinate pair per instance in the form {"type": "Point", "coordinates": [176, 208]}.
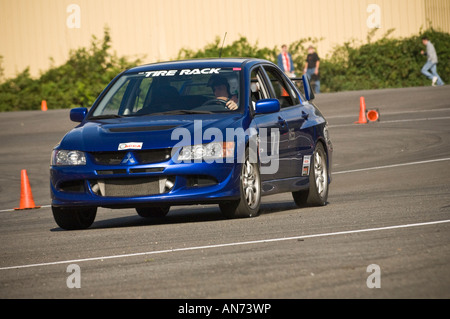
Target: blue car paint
{"type": "Point", "coordinates": [105, 135]}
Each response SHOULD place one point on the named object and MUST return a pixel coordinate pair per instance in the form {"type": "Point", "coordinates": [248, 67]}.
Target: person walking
{"type": "Point", "coordinates": [312, 68]}
{"type": "Point", "coordinates": [431, 64]}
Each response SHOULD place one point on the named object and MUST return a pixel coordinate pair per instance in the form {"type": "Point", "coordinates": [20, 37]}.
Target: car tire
{"type": "Point", "coordinates": [149, 212]}
{"type": "Point", "coordinates": [250, 190]}
{"type": "Point", "coordinates": [74, 218]}
{"type": "Point", "coordinates": [317, 194]}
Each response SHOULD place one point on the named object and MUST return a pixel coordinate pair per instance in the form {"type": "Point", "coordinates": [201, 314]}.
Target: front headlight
{"type": "Point", "coordinates": [68, 158]}
{"type": "Point", "coordinates": [207, 152]}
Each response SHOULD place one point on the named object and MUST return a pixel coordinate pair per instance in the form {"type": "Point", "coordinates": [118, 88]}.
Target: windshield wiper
{"type": "Point", "coordinates": [179, 112]}
{"type": "Point", "coordinates": [105, 116]}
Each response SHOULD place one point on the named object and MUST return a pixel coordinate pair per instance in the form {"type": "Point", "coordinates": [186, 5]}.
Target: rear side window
{"type": "Point", "coordinates": [283, 91]}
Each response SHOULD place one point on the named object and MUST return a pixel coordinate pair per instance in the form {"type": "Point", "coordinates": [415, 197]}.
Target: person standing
{"type": "Point", "coordinates": [285, 62]}
{"type": "Point", "coordinates": [431, 64]}
{"type": "Point", "coordinates": [312, 68]}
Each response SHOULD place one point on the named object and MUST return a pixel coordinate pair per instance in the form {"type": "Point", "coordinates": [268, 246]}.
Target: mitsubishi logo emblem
{"type": "Point", "coordinates": [129, 159]}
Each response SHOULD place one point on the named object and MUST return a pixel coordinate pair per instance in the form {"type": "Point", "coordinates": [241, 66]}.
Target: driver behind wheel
{"type": "Point", "coordinates": [221, 90]}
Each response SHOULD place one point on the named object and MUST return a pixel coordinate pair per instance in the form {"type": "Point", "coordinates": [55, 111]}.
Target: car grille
{"type": "Point", "coordinates": [130, 187]}
{"type": "Point", "coordinates": [142, 157]}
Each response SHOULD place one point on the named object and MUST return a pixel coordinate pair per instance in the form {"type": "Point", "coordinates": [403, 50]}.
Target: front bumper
{"type": "Point", "coordinates": [144, 185]}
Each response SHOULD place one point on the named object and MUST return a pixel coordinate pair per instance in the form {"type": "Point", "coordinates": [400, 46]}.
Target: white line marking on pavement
{"type": "Point", "coordinates": [334, 173]}
{"type": "Point", "coordinates": [12, 209]}
{"type": "Point", "coordinates": [421, 119]}
{"type": "Point", "coordinates": [392, 113]}
{"type": "Point", "coordinates": [390, 166]}
{"type": "Point", "coordinates": [393, 121]}
{"type": "Point", "coordinates": [228, 245]}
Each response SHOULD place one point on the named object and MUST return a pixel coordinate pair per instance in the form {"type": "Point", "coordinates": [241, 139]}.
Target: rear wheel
{"type": "Point", "coordinates": [148, 212]}
{"type": "Point", "coordinates": [317, 194]}
{"type": "Point", "coordinates": [74, 218]}
{"type": "Point", "coordinates": [250, 189]}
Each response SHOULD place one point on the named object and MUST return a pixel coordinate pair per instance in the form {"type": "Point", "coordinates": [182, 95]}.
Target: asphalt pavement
{"type": "Point", "coordinates": [385, 232]}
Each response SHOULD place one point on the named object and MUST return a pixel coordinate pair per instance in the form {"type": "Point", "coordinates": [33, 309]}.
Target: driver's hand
{"type": "Point", "coordinates": [231, 105]}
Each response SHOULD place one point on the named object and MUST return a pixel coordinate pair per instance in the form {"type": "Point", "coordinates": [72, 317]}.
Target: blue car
{"type": "Point", "coordinates": [211, 131]}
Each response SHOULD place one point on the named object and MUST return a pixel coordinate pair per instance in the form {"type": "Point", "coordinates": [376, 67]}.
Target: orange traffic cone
{"type": "Point", "coordinates": [44, 105]}
{"type": "Point", "coordinates": [26, 197]}
{"type": "Point", "coordinates": [373, 115]}
{"type": "Point", "coordinates": [362, 111]}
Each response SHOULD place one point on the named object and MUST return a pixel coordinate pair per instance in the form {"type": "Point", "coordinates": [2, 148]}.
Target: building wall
{"type": "Point", "coordinates": [33, 31]}
{"type": "Point", "coordinates": [437, 13]}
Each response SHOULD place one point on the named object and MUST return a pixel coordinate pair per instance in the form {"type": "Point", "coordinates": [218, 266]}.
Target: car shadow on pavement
{"type": "Point", "coordinates": [175, 216]}
{"type": "Point", "coordinates": [181, 215]}
{"type": "Point", "coordinates": [274, 207]}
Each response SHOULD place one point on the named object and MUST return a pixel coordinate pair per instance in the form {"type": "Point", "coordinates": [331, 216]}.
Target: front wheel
{"type": "Point", "coordinates": [250, 189]}
{"type": "Point", "coordinates": [317, 194]}
{"type": "Point", "coordinates": [74, 218]}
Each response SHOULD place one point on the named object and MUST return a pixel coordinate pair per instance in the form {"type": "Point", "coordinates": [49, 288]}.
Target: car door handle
{"type": "Point", "coordinates": [305, 115]}
{"type": "Point", "coordinates": [281, 121]}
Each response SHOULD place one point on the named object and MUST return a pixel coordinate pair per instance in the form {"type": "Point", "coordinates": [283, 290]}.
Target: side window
{"type": "Point", "coordinates": [283, 91]}
{"type": "Point", "coordinates": [258, 90]}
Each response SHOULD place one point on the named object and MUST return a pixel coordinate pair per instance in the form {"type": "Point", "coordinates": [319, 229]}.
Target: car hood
{"type": "Point", "coordinates": [153, 132]}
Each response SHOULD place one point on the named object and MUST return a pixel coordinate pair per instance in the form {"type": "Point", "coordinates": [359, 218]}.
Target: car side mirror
{"type": "Point", "coordinates": [309, 94]}
{"type": "Point", "coordinates": [78, 114]}
{"type": "Point", "coordinates": [266, 106]}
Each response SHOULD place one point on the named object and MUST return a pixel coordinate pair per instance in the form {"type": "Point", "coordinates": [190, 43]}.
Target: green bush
{"type": "Point", "coordinates": [239, 48]}
{"type": "Point", "coordinates": [386, 63]}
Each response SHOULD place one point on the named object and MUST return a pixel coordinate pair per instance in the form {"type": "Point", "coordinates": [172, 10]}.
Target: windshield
{"type": "Point", "coordinates": [175, 91]}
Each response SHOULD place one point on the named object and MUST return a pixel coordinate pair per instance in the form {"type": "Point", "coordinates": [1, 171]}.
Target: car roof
{"type": "Point", "coordinates": [195, 63]}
